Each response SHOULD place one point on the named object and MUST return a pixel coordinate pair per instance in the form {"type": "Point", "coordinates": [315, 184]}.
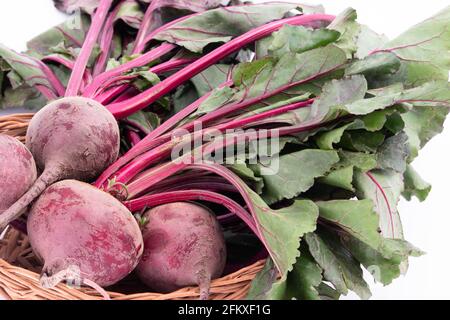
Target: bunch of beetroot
{"type": "Point", "coordinates": [343, 110]}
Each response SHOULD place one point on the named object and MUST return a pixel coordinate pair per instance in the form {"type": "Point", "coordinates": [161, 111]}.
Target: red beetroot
{"type": "Point", "coordinates": [183, 246]}
{"type": "Point", "coordinates": [83, 234]}
{"type": "Point", "coordinates": [70, 138]}
{"type": "Point", "coordinates": [17, 171]}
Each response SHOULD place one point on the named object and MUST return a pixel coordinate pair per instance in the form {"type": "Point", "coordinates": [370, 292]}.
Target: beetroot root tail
{"type": "Point", "coordinates": [47, 178]}
{"type": "Point", "coordinates": [71, 275]}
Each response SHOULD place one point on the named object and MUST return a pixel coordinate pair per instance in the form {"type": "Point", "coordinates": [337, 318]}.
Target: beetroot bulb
{"type": "Point", "coordinates": [17, 171]}
{"type": "Point", "coordinates": [70, 138]}
{"type": "Point", "coordinates": [183, 246]}
{"type": "Point", "coordinates": [83, 234]}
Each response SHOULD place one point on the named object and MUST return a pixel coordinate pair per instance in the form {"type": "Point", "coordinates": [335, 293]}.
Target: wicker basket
{"type": "Point", "coordinates": [19, 268]}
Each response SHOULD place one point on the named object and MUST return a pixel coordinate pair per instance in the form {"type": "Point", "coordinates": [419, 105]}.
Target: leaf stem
{"type": "Point", "coordinates": [80, 64]}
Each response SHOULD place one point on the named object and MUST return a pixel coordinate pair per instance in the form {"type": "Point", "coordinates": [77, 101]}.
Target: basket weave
{"type": "Point", "coordinates": [19, 268]}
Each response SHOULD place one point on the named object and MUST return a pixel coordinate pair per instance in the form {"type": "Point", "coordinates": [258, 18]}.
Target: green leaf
{"type": "Point", "coordinates": [368, 41]}
{"type": "Point", "coordinates": [356, 39]}
{"type": "Point", "coordinates": [424, 49]}
{"type": "Point", "coordinates": [362, 140]}
{"type": "Point", "coordinates": [383, 269]}
{"type": "Point", "coordinates": [327, 139]}
{"type": "Point", "coordinates": [184, 96]}
{"type": "Point", "coordinates": [221, 24]}
{"type": "Point", "coordinates": [147, 121]}
{"type": "Point", "coordinates": [24, 74]}
{"type": "Point", "coordinates": [131, 13]}
{"type": "Point", "coordinates": [436, 93]}
{"type": "Point", "coordinates": [340, 268]}
{"type": "Point", "coordinates": [363, 161]}
{"type": "Point", "coordinates": [375, 65]}
{"type": "Point", "coordinates": [337, 93]}
{"type": "Point", "coordinates": [345, 23]}
{"type": "Point", "coordinates": [340, 178]}
{"type": "Point", "coordinates": [211, 78]}
{"type": "Point", "coordinates": [383, 188]}
{"type": "Point", "coordinates": [282, 229]}
{"type": "Point", "coordinates": [298, 39]}
{"type": "Point", "coordinates": [361, 222]}
{"type": "Point", "coordinates": [304, 279]}
{"type": "Point", "coordinates": [268, 76]}
{"type": "Point", "coordinates": [289, 175]}
{"type": "Point", "coordinates": [71, 6]}
{"type": "Point", "coordinates": [22, 96]}
{"type": "Point", "coordinates": [301, 284]}
{"type": "Point", "coordinates": [422, 124]}
{"type": "Point", "coordinates": [393, 153]}
{"type": "Point", "coordinates": [355, 217]}
{"type": "Point", "coordinates": [415, 185]}
{"type": "Point", "coordinates": [248, 175]}
{"type": "Point", "coordinates": [261, 285]}
{"type": "Point", "coordinates": [327, 293]}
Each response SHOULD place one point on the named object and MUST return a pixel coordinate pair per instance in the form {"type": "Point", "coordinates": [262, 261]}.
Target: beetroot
{"type": "Point", "coordinates": [74, 226]}
{"type": "Point", "coordinates": [183, 246]}
{"type": "Point", "coordinates": [17, 171]}
{"type": "Point", "coordinates": [71, 138]}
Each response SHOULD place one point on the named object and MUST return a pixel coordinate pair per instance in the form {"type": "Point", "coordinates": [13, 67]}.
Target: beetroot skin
{"type": "Point", "coordinates": [70, 138]}
{"type": "Point", "coordinates": [74, 226]}
{"type": "Point", "coordinates": [17, 171]}
{"type": "Point", "coordinates": [183, 246]}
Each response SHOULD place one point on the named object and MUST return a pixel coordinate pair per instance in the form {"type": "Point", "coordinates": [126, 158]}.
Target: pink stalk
{"type": "Point", "coordinates": [132, 169]}
{"type": "Point", "coordinates": [127, 94]}
{"type": "Point", "coordinates": [141, 46]}
{"type": "Point", "coordinates": [52, 78]}
{"type": "Point", "coordinates": [135, 63]}
{"type": "Point", "coordinates": [171, 65]}
{"type": "Point", "coordinates": [131, 154]}
{"type": "Point", "coordinates": [205, 185]}
{"type": "Point", "coordinates": [149, 141]}
{"type": "Point", "coordinates": [114, 82]}
{"type": "Point", "coordinates": [106, 97]}
{"type": "Point", "coordinates": [80, 65]}
{"type": "Point", "coordinates": [190, 195]}
{"type": "Point", "coordinates": [178, 179]}
{"type": "Point", "coordinates": [106, 41]}
{"type": "Point", "coordinates": [242, 122]}
{"type": "Point", "coordinates": [154, 176]}
{"type": "Point", "coordinates": [124, 109]}
{"type": "Point", "coordinates": [69, 64]}
{"type": "Point", "coordinates": [145, 26]}
{"type": "Point", "coordinates": [46, 92]}
{"type": "Point", "coordinates": [157, 174]}
{"type": "Point", "coordinates": [132, 137]}
{"type": "Point", "coordinates": [129, 171]}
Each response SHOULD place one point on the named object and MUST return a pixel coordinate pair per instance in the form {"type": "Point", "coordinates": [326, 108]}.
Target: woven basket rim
{"type": "Point", "coordinates": [17, 282]}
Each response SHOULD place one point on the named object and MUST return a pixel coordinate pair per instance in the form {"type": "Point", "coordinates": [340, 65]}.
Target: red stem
{"type": "Point", "coordinates": [105, 97]}
{"type": "Point", "coordinates": [106, 41]}
{"type": "Point", "coordinates": [139, 44]}
{"type": "Point", "coordinates": [151, 140]}
{"type": "Point", "coordinates": [132, 137]}
{"type": "Point", "coordinates": [80, 65]}
{"type": "Point", "coordinates": [124, 109]}
{"type": "Point", "coordinates": [135, 63]}
{"type": "Point", "coordinates": [189, 195]}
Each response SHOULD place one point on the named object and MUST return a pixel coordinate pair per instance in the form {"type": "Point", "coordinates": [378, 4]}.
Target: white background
{"type": "Point", "coordinates": [427, 225]}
